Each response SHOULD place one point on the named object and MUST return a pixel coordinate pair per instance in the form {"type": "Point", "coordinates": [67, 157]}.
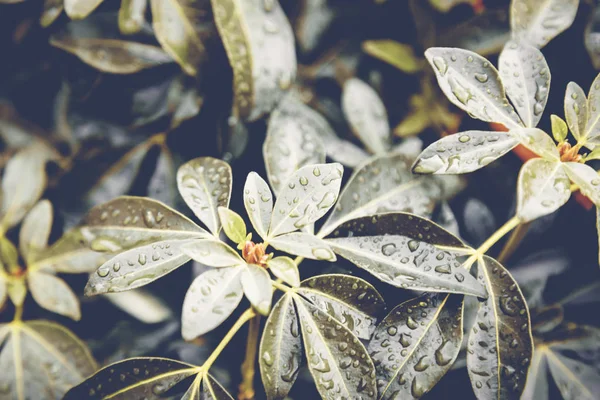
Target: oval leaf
{"type": "Point", "coordinates": [303, 245]}
{"type": "Point", "coordinates": [256, 283]}
{"type": "Point", "coordinates": [537, 141]}
{"type": "Point", "coordinates": [213, 253]}
{"type": "Point", "coordinates": [258, 201]}
{"type": "Point", "coordinates": [233, 225]}
{"type": "Point", "coordinates": [592, 127]}
{"type": "Point", "coordinates": [586, 178]}
{"type": "Point", "coordinates": [35, 231]}
{"type": "Point", "coordinates": [79, 9]}
{"type": "Point", "coordinates": [285, 269]}
{"type": "Point", "coordinates": [576, 110]}
{"type": "Point", "coordinates": [539, 22]}
{"type": "Point", "coordinates": [53, 294]}
{"type": "Point", "coordinates": [399, 55]}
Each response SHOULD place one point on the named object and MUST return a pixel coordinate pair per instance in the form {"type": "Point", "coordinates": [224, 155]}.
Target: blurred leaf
{"type": "Point", "coordinates": [303, 245]}
{"type": "Point", "coordinates": [538, 23]}
{"type": "Point", "coordinates": [537, 379]}
{"type": "Point", "coordinates": [576, 110]}
{"type": "Point", "coordinates": [447, 5]}
{"type": "Point", "coordinates": [4, 290]}
{"type": "Point", "coordinates": [163, 183]}
{"type": "Point", "coordinates": [399, 55]}
{"type": "Point", "coordinates": [79, 9]}
{"type": "Point", "coordinates": [592, 38]}
{"type": "Point", "coordinates": [35, 230]}
{"type": "Point", "coordinates": [142, 305]}
{"type": "Point", "coordinates": [213, 253]}
{"type": "Point", "coordinates": [233, 225]}
{"type": "Point", "coordinates": [285, 269]}
{"type": "Point", "coordinates": [131, 16]}
{"type": "Point", "coordinates": [53, 294]}
{"type": "Point", "coordinates": [574, 379]}
{"type": "Point", "coordinates": [256, 283]}
{"type": "Point", "coordinates": [52, 10]}
{"type": "Point", "coordinates": [258, 201]}
{"type": "Point", "coordinates": [314, 19]}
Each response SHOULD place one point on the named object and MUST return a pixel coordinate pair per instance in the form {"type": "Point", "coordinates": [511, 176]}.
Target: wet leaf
{"type": "Point", "coordinates": [537, 141]}
{"type": "Point", "coordinates": [131, 16]}
{"type": "Point", "coordinates": [293, 140]}
{"type": "Point", "coordinates": [366, 115]}
{"type": "Point", "coordinates": [175, 24]}
{"type": "Point", "coordinates": [138, 267]}
{"type": "Point", "coordinates": [259, 42]}
{"type": "Point", "coordinates": [258, 201]}
{"type": "Point", "coordinates": [285, 269]}
{"type": "Point", "coordinates": [576, 109]}
{"type": "Point", "coordinates": [502, 323]}
{"type": "Point", "coordinates": [337, 360]}
{"type": "Point", "coordinates": [133, 378]}
{"type": "Point", "coordinates": [416, 344]}
{"type": "Point", "coordinates": [41, 360]}
{"type": "Point", "coordinates": [35, 230]}
{"type": "Point", "coordinates": [574, 379]}
{"type": "Point", "coordinates": [306, 196]}
{"type": "Point", "coordinates": [559, 128]}
{"type": "Point", "coordinates": [406, 251]}
{"type": "Point", "coordinates": [212, 390]}
{"type": "Point", "coordinates": [280, 353]}
{"type": "Point", "coordinates": [473, 85]}
{"type": "Point", "coordinates": [233, 225]}
{"type": "Point", "coordinates": [303, 245]}
{"type": "Point", "coordinates": [142, 305]}
{"type": "Point", "coordinates": [211, 298]}
{"type": "Point", "coordinates": [586, 178]}
{"type": "Point", "coordinates": [213, 253]}
{"type": "Point", "coordinates": [538, 23]}
{"type": "Point", "coordinates": [399, 55]}
{"type": "Point", "coordinates": [464, 152]}
{"type": "Point", "coordinates": [53, 294]}
{"type": "Point", "coordinates": [592, 127]}
{"type": "Point", "coordinates": [205, 185]}
{"type": "Point", "coordinates": [256, 283]}
{"type": "Point", "coordinates": [79, 9]}
{"type": "Point", "coordinates": [352, 301]}
{"type": "Point", "coordinates": [526, 77]}
{"type": "Point", "coordinates": [543, 187]}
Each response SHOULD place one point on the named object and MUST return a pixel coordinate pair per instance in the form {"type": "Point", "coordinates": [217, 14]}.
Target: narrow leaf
{"type": "Point", "coordinates": [212, 390]}
{"type": "Point", "coordinates": [576, 110]}
{"type": "Point", "coordinates": [285, 269]}
{"type": "Point", "coordinates": [53, 294]}
{"type": "Point", "coordinates": [537, 378]}
{"type": "Point", "coordinates": [303, 245]}
{"type": "Point", "coordinates": [131, 16]}
{"type": "Point", "coordinates": [142, 305]}
{"type": "Point", "coordinates": [592, 127]}
{"type": "Point", "coordinates": [233, 224]}
{"type": "Point", "coordinates": [52, 10]}
{"type": "Point", "coordinates": [256, 283]}
{"type": "Point", "coordinates": [213, 253]}
{"type": "Point", "coordinates": [575, 380]}
{"type": "Point", "coordinates": [79, 9]}
{"type": "Point", "coordinates": [258, 201]}
{"type": "Point", "coordinates": [539, 22]}
{"type": "Point", "coordinates": [586, 178]}
{"type": "Point", "coordinates": [399, 55]}
{"type": "Point", "coordinates": [559, 128]}
{"type": "Point", "coordinates": [35, 231]}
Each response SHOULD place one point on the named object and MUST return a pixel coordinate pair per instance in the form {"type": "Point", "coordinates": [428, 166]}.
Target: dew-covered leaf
{"type": "Point", "coordinates": [285, 269]}
{"type": "Point", "coordinates": [473, 84]}
{"type": "Point", "coordinates": [352, 301]}
{"type": "Point", "coordinates": [256, 283]}
{"type": "Point", "coordinates": [543, 187]}
{"type": "Point", "coordinates": [213, 253]}
{"type": "Point", "coordinates": [576, 110]}
{"type": "Point", "coordinates": [537, 141]}
{"type": "Point", "coordinates": [574, 379]}
{"type": "Point", "coordinates": [293, 140]}
{"type": "Point", "coordinates": [400, 55]}
{"type": "Point", "coordinates": [416, 344]}
{"type": "Point", "coordinates": [526, 77]}
{"type": "Point", "coordinates": [539, 22]}
{"type": "Point", "coordinates": [233, 224]}
{"type": "Point", "coordinates": [308, 194]}
{"type": "Point", "coordinates": [142, 305]}
{"type": "Point", "coordinates": [175, 24]}
{"type": "Point", "coordinates": [259, 42]}
{"type": "Point", "coordinates": [592, 128]}
{"type": "Point", "coordinates": [337, 360]}
{"type": "Point", "coordinates": [303, 245]}
{"type": "Point", "coordinates": [280, 353]}
{"type": "Point", "coordinates": [41, 360]}
{"type": "Point", "coordinates": [205, 185]}
{"type": "Point", "coordinates": [258, 201]}
{"type": "Point", "coordinates": [211, 298]}
{"type": "Point", "coordinates": [138, 266]}
{"type": "Point", "coordinates": [131, 16]}
{"type": "Point", "coordinates": [464, 152]}
{"type": "Point", "coordinates": [366, 115]}
{"type": "Point", "coordinates": [53, 294]}
{"type": "Point", "coordinates": [559, 128]}
{"type": "Point", "coordinates": [145, 377]}
{"type": "Point", "coordinates": [406, 251]}
{"type": "Point", "coordinates": [35, 230]}
{"type": "Point", "coordinates": [79, 9]}
{"type": "Point", "coordinates": [502, 323]}
{"type": "Point", "coordinates": [586, 178]}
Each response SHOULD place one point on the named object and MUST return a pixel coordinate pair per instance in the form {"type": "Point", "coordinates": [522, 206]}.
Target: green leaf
{"type": "Point", "coordinates": [306, 196]}
{"type": "Point", "coordinates": [210, 300]}
{"type": "Point", "coordinates": [293, 141]}
{"type": "Point", "coordinates": [352, 301]}
{"type": "Point", "coordinates": [256, 283]}
{"type": "Point", "coordinates": [233, 225]}
{"type": "Point", "coordinates": [35, 230]}
{"type": "Point", "coordinates": [385, 184]}
{"type": "Point", "coordinates": [138, 267]}
{"type": "Point", "coordinates": [576, 110]}
{"type": "Point", "coordinates": [406, 251]}
{"type": "Point", "coordinates": [213, 253]}
{"type": "Point", "coordinates": [303, 245]}
{"type": "Point", "coordinates": [131, 16]}
{"type": "Point", "coordinates": [366, 114]}
{"type": "Point", "coordinates": [79, 9]}
{"type": "Point", "coordinates": [559, 128]}
{"type": "Point", "coordinates": [463, 152]}
{"type": "Point", "coordinates": [539, 22]}
{"type": "Point", "coordinates": [416, 344]}
{"type": "Point", "coordinates": [399, 55]}
{"type": "Point", "coordinates": [52, 10]}
{"type": "Point", "coordinates": [526, 77]}
{"type": "Point", "coordinates": [53, 294]}
{"type": "Point", "coordinates": [586, 178]}
{"type": "Point", "coordinates": [592, 128]}
{"type": "Point", "coordinates": [473, 85]}
{"type": "Point", "coordinates": [337, 360]}
{"type": "Point", "coordinates": [285, 269]}
{"type": "Point", "coordinates": [9, 256]}
{"type": "Point", "coordinates": [280, 353]}
{"type": "Point", "coordinates": [258, 201]}
{"type": "Point", "coordinates": [4, 290]}
{"type": "Point", "coordinates": [502, 323]}
{"type": "Point", "coordinates": [574, 379]}
{"type": "Point", "coordinates": [133, 378]}
{"type": "Point", "coordinates": [41, 360]}
{"type": "Point", "coordinates": [543, 187]}
{"type": "Point", "coordinates": [175, 24]}
{"type": "Point", "coordinates": [537, 141]}
{"type": "Point", "coordinates": [259, 43]}
{"type": "Point", "coordinates": [447, 5]}
{"type": "Point", "coordinates": [205, 185]}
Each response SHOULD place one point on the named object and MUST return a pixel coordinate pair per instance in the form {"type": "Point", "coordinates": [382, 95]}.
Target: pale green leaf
{"type": "Point", "coordinates": [366, 114]}
{"type": "Point", "coordinates": [559, 128]}
{"type": "Point", "coordinates": [213, 253]}
{"type": "Point", "coordinates": [256, 283]}
{"type": "Point", "coordinates": [463, 152]}
{"type": "Point", "coordinates": [575, 380]}
{"type": "Point", "coordinates": [537, 141]}
{"type": "Point", "coordinates": [142, 305]}
{"type": "Point", "coordinates": [473, 84]}
{"type": "Point", "coordinates": [526, 77]}
{"type": "Point", "coordinates": [586, 178]}
{"type": "Point", "coordinates": [52, 10]}
{"type": "Point", "coordinates": [53, 294]}
{"type": "Point", "coordinates": [205, 185]}
{"type": "Point", "coordinates": [79, 9]}
{"type": "Point", "coordinates": [285, 269]}
{"type": "Point", "coordinates": [211, 298]}
{"type": "Point", "coordinates": [258, 201]}
{"type": "Point", "coordinates": [543, 187]}
{"type": "Point", "coordinates": [233, 224]}
{"type": "Point", "coordinates": [537, 378]}
{"type": "Point", "coordinates": [303, 245]}
{"type": "Point", "coordinates": [17, 291]}
{"type": "Point", "coordinates": [399, 55]}
{"type": "Point", "coordinates": [131, 16]}
{"type": "Point", "coordinates": [576, 110]}
{"type": "Point", "coordinates": [35, 230]}
{"type": "Point", "coordinates": [4, 289]}
{"type": "Point", "coordinates": [538, 22]}
{"type": "Point", "coordinates": [592, 128]}
{"type": "Point", "coordinates": [306, 196]}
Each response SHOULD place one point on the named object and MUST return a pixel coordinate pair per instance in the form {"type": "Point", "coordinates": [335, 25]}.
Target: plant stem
{"type": "Point", "coordinates": [277, 285]}
{"type": "Point", "coordinates": [18, 313]}
{"type": "Point", "coordinates": [499, 234]}
{"type": "Point", "coordinates": [298, 260]}
{"type": "Point", "coordinates": [247, 315]}
{"type": "Point", "coordinates": [513, 242]}
{"type": "Point", "coordinates": [246, 388]}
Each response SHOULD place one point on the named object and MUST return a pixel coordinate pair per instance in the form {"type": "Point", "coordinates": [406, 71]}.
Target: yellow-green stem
{"type": "Point", "coordinates": [499, 234]}
{"type": "Point", "coordinates": [279, 286]}
{"type": "Point", "coordinates": [246, 389]}
{"type": "Point", "coordinates": [513, 242]}
{"type": "Point", "coordinates": [18, 313]}
{"type": "Point", "coordinates": [245, 317]}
